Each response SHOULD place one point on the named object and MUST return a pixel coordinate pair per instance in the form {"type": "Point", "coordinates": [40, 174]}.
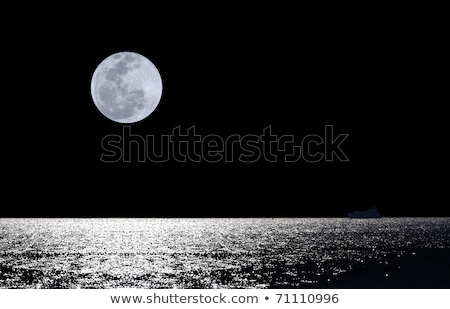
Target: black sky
{"type": "Point", "coordinates": [369, 73]}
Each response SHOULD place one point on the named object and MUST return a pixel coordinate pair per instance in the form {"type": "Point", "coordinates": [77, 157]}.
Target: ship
{"type": "Point", "coordinates": [372, 212]}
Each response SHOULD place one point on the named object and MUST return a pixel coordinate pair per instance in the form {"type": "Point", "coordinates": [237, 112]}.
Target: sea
{"type": "Point", "coordinates": [99, 253]}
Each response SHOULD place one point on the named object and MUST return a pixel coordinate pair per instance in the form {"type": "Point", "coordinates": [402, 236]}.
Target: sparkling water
{"type": "Point", "coordinates": [220, 253]}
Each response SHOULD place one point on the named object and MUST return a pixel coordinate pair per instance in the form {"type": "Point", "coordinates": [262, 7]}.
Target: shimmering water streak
{"type": "Point", "coordinates": [206, 253]}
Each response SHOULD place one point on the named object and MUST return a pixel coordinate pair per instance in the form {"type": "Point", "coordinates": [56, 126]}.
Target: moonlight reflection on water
{"type": "Point", "coordinates": [209, 253]}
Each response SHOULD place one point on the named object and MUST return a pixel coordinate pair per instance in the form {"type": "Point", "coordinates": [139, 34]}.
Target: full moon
{"type": "Point", "coordinates": [126, 87]}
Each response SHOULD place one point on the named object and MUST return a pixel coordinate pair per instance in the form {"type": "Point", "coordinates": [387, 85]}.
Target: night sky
{"type": "Point", "coordinates": [369, 74]}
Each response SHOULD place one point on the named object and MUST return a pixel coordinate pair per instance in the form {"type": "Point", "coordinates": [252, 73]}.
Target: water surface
{"type": "Point", "coordinates": [224, 253]}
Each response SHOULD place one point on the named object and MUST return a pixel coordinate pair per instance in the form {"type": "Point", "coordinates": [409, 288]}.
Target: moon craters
{"type": "Point", "coordinates": [126, 87]}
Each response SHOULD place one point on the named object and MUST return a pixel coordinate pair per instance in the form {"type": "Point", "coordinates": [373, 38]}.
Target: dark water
{"type": "Point", "coordinates": [225, 253]}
